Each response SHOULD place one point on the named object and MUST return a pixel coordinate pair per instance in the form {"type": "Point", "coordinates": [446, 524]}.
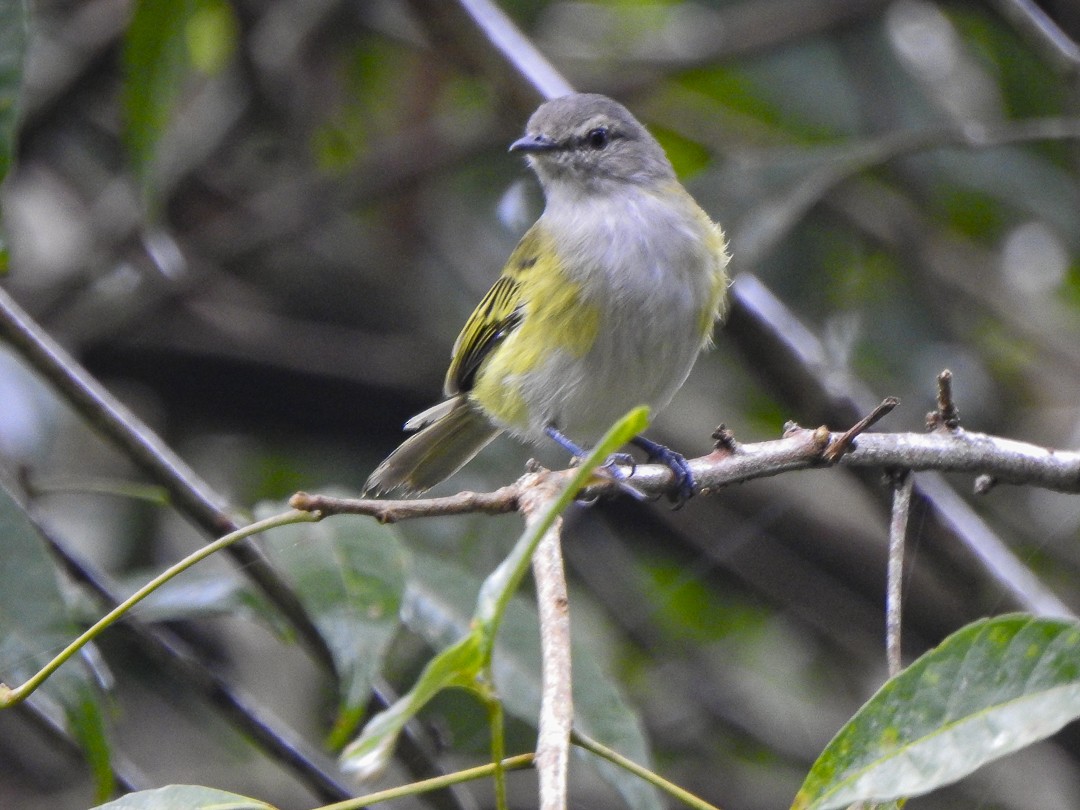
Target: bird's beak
{"type": "Point", "coordinates": [534, 143]}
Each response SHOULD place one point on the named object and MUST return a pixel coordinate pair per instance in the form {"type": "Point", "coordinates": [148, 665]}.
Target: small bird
{"type": "Point", "coordinates": [604, 305]}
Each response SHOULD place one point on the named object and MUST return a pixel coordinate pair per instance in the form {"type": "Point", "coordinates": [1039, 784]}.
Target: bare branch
{"type": "Point", "coordinates": [901, 508]}
{"type": "Point", "coordinates": [499, 502]}
{"type": "Point", "coordinates": [556, 700]}
{"type": "Point", "coordinates": [1006, 460]}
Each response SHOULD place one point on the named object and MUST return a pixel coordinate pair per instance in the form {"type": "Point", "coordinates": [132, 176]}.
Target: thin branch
{"type": "Point", "coordinates": [556, 700]}
{"type": "Point", "coordinates": [10, 696]}
{"type": "Point", "coordinates": [187, 491]}
{"type": "Point", "coordinates": [895, 579]}
{"type": "Point", "coordinates": [845, 442]}
{"type": "Point", "coordinates": [480, 35]}
{"type": "Point", "coordinates": [1007, 460]}
{"type": "Point", "coordinates": [499, 502]}
{"type": "Point", "coordinates": [800, 373]}
{"type": "Point", "coordinates": [1033, 21]}
{"type": "Point", "coordinates": [946, 415]}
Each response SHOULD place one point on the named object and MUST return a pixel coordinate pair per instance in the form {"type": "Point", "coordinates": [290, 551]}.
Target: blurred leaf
{"type": "Point", "coordinates": [34, 624]}
{"type": "Point", "coordinates": [1026, 81]}
{"type": "Point", "coordinates": [687, 608]}
{"type": "Point", "coordinates": [987, 690]}
{"type": "Point", "coordinates": [166, 42]}
{"type": "Point", "coordinates": [972, 212]}
{"type": "Point", "coordinates": [14, 18]}
{"type": "Point", "coordinates": [350, 575]}
{"type": "Point", "coordinates": [184, 797]}
{"type": "Point", "coordinates": [155, 64]}
{"type": "Point", "coordinates": [438, 607]}
{"type": "Point", "coordinates": [687, 156]}
{"type": "Point", "coordinates": [210, 35]}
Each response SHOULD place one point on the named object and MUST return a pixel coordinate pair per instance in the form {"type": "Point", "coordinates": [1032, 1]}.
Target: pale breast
{"type": "Point", "coordinates": [649, 267]}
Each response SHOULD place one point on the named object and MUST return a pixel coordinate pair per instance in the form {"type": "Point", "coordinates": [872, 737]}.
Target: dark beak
{"type": "Point", "coordinates": [534, 143]}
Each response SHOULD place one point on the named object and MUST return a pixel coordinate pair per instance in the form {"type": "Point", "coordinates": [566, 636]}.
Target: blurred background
{"type": "Point", "coordinates": [263, 224]}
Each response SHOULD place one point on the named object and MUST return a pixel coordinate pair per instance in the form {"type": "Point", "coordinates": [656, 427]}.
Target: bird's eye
{"type": "Point", "coordinates": [598, 138]}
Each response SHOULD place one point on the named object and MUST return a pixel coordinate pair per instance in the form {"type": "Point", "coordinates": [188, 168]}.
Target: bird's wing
{"type": "Point", "coordinates": [495, 317]}
{"type": "Point", "coordinates": [498, 314]}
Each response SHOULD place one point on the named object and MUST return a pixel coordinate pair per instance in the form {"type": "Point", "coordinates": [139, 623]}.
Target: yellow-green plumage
{"type": "Point", "coordinates": [604, 304]}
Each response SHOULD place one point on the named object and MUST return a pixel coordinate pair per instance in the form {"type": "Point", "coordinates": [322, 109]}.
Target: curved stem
{"type": "Point", "coordinates": [11, 696]}
{"type": "Point", "coordinates": [435, 783]}
{"type": "Point", "coordinates": [614, 757]}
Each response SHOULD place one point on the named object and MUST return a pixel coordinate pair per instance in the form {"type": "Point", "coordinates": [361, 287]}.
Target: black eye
{"type": "Point", "coordinates": [598, 138]}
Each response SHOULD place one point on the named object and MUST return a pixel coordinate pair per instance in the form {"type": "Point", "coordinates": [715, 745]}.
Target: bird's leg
{"type": "Point", "coordinates": [676, 462]}
{"type": "Point", "coordinates": [565, 442]}
{"type": "Point", "coordinates": [611, 466]}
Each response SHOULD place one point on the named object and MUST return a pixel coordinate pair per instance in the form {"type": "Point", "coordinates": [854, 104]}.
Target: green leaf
{"type": "Point", "coordinates": [34, 624]}
{"type": "Point", "coordinates": [14, 19]}
{"type": "Point", "coordinates": [184, 797]}
{"type": "Point", "coordinates": [350, 576]}
{"type": "Point", "coordinates": [989, 689]}
{"type": "Point", "coordinates": [458, 665]}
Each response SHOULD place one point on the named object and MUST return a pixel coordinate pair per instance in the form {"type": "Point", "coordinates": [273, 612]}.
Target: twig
{"type": "Point", "coordinates": [11, 696]}
{"type": "Point", "coordinates": [946, 415]}
{"type": "Point", "coordinates": [843, 443]}
{"type": "Point", "coordinates": [499, 502]}
{"type": "Point", "coordinates": [556, 700]}
{"type": "Point", "coordinates": [895, 579]}
{"type": "Point", "coordinates": [800, 373]}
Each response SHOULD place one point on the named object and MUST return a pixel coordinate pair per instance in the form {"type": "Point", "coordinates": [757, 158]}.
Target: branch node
{"type": "Point", "coordinates": [846, 441]}
{"type": "Point", "coordinates": [724, 440]}
{"type": "Point", "coordinates": [946, 416]}
{"type": "Point", "coordinates": [790, 428]}
{"type": "Point", "coordinates": [984, 483]}
{"type": "Point", "coordinates": [302, 501]}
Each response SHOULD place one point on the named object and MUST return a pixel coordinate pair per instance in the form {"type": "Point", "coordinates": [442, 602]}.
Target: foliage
{"type": "Point", "coordinates": [264, 224]}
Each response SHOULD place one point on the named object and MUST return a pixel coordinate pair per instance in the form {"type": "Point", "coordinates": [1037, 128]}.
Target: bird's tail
{"type": "Point", "coordinates": [450, 434]}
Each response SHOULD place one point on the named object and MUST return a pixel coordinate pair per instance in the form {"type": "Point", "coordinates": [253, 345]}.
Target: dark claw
{"type": "Point", "coordinates": [676, 462]}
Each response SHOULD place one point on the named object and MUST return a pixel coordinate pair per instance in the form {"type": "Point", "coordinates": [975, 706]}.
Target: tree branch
{"type": "Point", "coordinates": [1006, 460]}
{"type": "Point", "coordinates": [556, 700]}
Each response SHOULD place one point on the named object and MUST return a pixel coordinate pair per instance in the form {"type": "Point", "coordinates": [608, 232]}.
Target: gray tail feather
{"type": "Point", "coordinates": [435, 453]}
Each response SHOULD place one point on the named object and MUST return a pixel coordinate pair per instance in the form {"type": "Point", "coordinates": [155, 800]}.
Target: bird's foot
{"type": "Point", "coordinates": [676, 462]}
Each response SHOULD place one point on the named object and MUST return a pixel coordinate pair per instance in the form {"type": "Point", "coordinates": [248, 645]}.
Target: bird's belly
{"type": "Point", "coordinates": [642, 353]}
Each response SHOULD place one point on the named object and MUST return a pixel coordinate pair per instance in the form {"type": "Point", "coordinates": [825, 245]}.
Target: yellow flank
{"type": "Point", "coordinates": [714, 308]}
{"type": "Point", "coordinates": [548, 315]}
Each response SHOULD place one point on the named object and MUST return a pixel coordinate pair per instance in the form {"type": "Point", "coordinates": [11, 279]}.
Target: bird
{"type": "Point", "coordinates": [605, 303]}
